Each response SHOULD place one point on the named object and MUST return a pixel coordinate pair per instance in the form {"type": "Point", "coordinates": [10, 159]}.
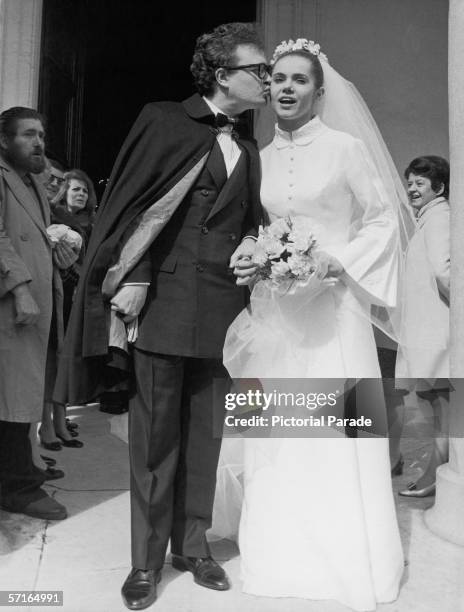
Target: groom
{"type": "Point", "coordinates": [182, 199]}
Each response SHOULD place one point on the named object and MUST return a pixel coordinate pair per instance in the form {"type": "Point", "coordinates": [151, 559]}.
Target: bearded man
{"type": "Point", "coordinates": [29, 280]}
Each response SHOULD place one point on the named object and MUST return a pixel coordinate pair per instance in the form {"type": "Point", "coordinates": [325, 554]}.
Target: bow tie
{"type": "Point", "coordinates": [222, 120]}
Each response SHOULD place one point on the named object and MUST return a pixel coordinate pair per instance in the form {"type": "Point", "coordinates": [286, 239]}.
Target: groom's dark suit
{"type": "Point", "coordinates": [192, 299]}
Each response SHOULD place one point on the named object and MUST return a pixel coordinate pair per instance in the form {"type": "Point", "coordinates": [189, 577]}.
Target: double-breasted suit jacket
{"type": "Point", "coordinates": [193, 296]}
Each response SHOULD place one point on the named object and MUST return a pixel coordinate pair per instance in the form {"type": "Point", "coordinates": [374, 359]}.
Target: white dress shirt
{"type": "Point", "coordinates": [229, 147]}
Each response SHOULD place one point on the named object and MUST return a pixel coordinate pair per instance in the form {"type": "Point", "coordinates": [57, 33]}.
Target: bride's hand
{"type": "Point", "coordinates": [328, 266]}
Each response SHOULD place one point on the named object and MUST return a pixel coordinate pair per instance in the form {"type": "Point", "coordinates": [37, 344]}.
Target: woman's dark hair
{"type": "Point", "coordinates": [216, 49]}
{"type": "Point", "coordinates": [433, 167]}
{"type": "Point", "coordinates": [316, 66]}
{"type": "Point", "coordinates": [78, 175]}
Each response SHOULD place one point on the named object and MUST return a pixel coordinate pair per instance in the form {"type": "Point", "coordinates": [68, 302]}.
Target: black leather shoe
{"type": "Point", "coordinates": [206, 572]}
{"type": "Point", "coordinates": [71, 425]}
{"type": "Point", "coordinates": [52, 473]}
{"type": "Point", "coordinates": [139, 590]}
{"type": "Point", "coordinates": [70, 443]}
{"type": "Point", "coordinates": [48, 460]}
{"type": "Point", "coordinates": [44, 508]}
{"type": "Point", "coordinates": [51, 446]}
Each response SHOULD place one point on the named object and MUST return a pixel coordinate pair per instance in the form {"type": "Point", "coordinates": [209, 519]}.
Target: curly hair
{"type": "Point", "coordinates": [78, 175]}
{"type": "Point", "coordinates": [216, 49]}
{"type": "Point", "coordinates": [433, 167]}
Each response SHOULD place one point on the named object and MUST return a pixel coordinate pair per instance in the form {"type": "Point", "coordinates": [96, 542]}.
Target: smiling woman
{"type": "Point", "coordinates": [424, 352]}
{"type": "Point", "coordinates": [427, 178]}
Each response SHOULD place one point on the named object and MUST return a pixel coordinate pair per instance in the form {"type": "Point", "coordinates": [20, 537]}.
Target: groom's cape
{"type": "Point", "coordinates": [159, 161]}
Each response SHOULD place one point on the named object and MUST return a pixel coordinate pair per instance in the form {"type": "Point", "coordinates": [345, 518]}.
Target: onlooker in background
{"type": "Point", "coordinates": [52, 178]}
{"type": "Point", "coordinates": [424, 351]}
{"type": "Point", "coordinates": [29, 283]}
{"type": "Point", "coordinates": [54, 175]}
{"type": "Point", "coordinates": [73, 205]}
{"type": "Point", "coordinates": [77, 197]}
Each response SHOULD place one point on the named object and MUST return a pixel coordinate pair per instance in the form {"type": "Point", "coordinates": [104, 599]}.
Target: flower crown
{"type": "Point", "coordinates": [301, 44]}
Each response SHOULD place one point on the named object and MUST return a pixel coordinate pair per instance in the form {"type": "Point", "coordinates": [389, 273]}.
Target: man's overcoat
{"type": "Point", "coordinates": [25, 257]}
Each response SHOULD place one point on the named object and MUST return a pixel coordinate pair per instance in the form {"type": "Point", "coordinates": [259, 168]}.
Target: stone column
{"type": "Point", "coordinates": [446, 517]}
{"type": "Point", "coordinates": [20, 35]}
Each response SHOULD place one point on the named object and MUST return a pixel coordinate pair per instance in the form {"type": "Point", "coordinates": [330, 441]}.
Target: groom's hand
{"type": "Point", "coordinates": [242, 263]}
{"type": "Point", "coordinates": [245, 250]}
{"type": "Point", "coordinates": [245, 271]}
{"type": "Point", "coordinates": [129, 301]}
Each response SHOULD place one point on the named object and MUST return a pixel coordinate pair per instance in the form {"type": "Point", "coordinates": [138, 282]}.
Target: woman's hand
{"type": "Point", "coordinates": [328, 266]}
{"type": "Point", "coordinates": [64, 255]}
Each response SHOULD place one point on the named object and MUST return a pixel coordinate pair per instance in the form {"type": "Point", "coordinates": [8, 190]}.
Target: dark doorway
{"type": "Point", "coordinates": [120, 55]}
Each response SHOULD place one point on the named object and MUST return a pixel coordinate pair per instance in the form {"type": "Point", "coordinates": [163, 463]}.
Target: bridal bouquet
{"type": "Point", "coordinates": [285, 251]}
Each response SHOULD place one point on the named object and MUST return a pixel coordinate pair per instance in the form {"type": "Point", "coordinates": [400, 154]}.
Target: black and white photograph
{"type": "Point", "coordinates": [232, 305]}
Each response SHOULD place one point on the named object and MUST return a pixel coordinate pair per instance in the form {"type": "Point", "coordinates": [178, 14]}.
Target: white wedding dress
{"type": "Point", "coordinates": [318, 518]}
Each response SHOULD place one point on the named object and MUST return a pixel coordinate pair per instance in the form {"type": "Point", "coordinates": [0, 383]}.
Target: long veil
{"type": "Point", "coordinates": [343, 108]}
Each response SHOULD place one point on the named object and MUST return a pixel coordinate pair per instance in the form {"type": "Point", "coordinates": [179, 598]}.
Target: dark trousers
{"type": "Point", "coordinates": [173, 454]}
{"type": "Point", "coordinates": [20, 480]}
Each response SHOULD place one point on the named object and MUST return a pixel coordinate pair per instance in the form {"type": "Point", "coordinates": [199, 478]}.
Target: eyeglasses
{"type": "Point", "coordinates": [261, 70]}
{"type": "Point", "coordinates": [58, 180]}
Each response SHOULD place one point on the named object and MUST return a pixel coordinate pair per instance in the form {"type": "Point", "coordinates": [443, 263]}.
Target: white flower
{"type": "Point", "coordinates": [260, 257]}
{"type": "Point", "coordinates": [279, 271]}
{"type": "Point", "coordinates": [278, 228]}
{"type": "Point", "coordinates": [272, 246]}
{"type": "Point", "coordinates": [300, 44]}
{"type": "Point", "coordinates": [302, 235]}
{"type": "Point", "coordinates": [300, 266]}
{"type": "Point", "coordinates": [301, 241]}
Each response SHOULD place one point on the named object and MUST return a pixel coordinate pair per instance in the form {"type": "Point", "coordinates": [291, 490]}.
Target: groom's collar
{"type": "Point", "coordinates": [198, 109]}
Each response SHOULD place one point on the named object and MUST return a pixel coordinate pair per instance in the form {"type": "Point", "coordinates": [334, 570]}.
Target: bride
{"type": "Point", "coordinates": [318, 519]}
